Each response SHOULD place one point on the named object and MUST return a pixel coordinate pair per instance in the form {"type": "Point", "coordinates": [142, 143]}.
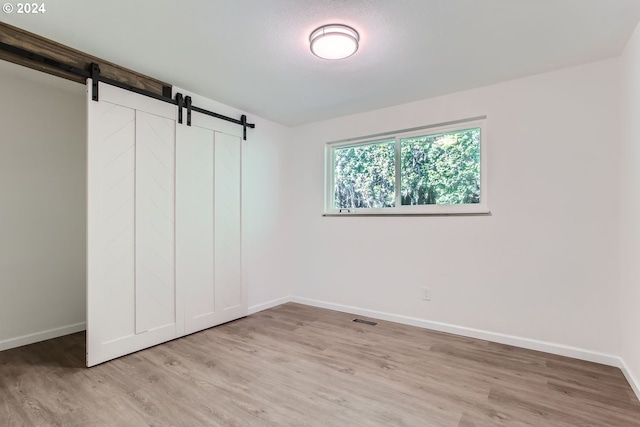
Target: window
{"type": "Point", "coordinates": [436, 171]}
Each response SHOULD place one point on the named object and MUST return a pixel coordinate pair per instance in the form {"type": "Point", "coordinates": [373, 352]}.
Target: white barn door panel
{"type": "Point", "coordinates": [209, 246]}
{"type": "Point", "coordinates": [131, 296]}
{"type": "Point", "coordinates": [230, 298]}
{"type": "Point", "coordinates": [194, 211]}
{"type": "Point", "coordinates": [155, 222]}
{"type": "Point", "coordinates": [111, 226]}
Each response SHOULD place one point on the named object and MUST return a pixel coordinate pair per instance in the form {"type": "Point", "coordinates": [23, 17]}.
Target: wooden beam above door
{"type": "Point", "coordinates": [22, 39]}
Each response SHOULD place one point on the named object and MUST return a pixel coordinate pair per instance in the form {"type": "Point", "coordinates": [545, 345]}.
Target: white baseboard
{"type": "Point", "coordinates": [531, 344]}
{"type": "Point", "coordinates": [41, 336]}
{"type": "Point", "coordinates": [633, 381]}
{"type": "Point", "coordinates": [269, 304]}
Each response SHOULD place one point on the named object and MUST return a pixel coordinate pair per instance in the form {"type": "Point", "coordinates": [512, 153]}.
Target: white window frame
{"type": "Point", "coordinates": [458, 209]}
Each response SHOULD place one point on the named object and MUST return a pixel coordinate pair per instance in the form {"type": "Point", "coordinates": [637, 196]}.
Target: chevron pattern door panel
{"type": "Point", "coordinates": [194, 210]}
{"type": "Point", "coordinates": [131, 293]}
{"type": "Point", "coordinates": [155, 222]}
{"type": "Point", "coordinates": [228, 244]}
{"type": "Point", "coordinates": [208, 250]}
{"type": "Point", "coordinates": [111, 217]}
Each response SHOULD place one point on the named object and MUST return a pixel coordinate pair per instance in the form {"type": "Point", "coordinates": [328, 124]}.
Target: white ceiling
{"type": "Point", "coordinates": [254, 54]}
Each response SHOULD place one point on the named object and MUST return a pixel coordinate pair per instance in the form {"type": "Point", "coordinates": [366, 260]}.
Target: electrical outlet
{"type": "Point", "coordinates": [426, 294]}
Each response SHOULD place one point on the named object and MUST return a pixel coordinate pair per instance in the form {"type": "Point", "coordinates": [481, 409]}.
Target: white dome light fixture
{"type": "Point", "coordinates": [334, 41]}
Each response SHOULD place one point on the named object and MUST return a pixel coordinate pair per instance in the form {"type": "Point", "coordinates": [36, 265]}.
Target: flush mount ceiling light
{"type": "Point", "coordinates": [334, 41]}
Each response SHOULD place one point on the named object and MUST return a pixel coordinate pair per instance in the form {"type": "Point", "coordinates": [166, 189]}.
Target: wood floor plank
{"type": "Point", "coordinates": [295, 365]}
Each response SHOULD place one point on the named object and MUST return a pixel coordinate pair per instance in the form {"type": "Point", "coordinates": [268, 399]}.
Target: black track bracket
{"type": "Point", "coordinates": [187, 101]}
{"type": "Point", "coordinates": [243, 123]}
{"type": "Point", "coordinates": [180, 102]}
{"type": "Point", "coordinates": [94, 69]}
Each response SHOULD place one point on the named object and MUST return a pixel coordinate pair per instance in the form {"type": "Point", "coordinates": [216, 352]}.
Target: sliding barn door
{"type": "Point", "coordinates": [164, 224]}
{"type": "Point", "coordinates": [209, 226]}
{"type": "Point", "coordinates": [132, 298]}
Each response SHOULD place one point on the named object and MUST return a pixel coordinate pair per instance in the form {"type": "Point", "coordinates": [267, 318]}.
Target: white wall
{"type": "Point", "coordinates": [630, 210]}
{"type": "Point", "coordinates": [266, 225]}
{"type": "Point", "coordinates": [42, 206]}
{"type": "Point", "coordinates": [542, 267]}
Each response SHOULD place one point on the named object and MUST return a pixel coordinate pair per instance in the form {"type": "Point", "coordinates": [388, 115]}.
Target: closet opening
{"type": "Point", "coordinates": [42, 206]}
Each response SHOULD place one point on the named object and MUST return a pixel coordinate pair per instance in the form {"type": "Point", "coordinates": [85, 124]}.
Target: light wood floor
{"type": "Point", "coordinates": [301, 366]}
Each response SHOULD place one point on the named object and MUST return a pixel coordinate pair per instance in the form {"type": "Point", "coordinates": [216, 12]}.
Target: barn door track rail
{"type": "Point", "coordinates": [180, 101]}
{"type": "Point", "coordinates": [94, 73]}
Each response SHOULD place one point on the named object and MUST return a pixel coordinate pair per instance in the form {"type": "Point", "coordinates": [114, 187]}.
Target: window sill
{"type": "Point", "coordinates": [361, 214]}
